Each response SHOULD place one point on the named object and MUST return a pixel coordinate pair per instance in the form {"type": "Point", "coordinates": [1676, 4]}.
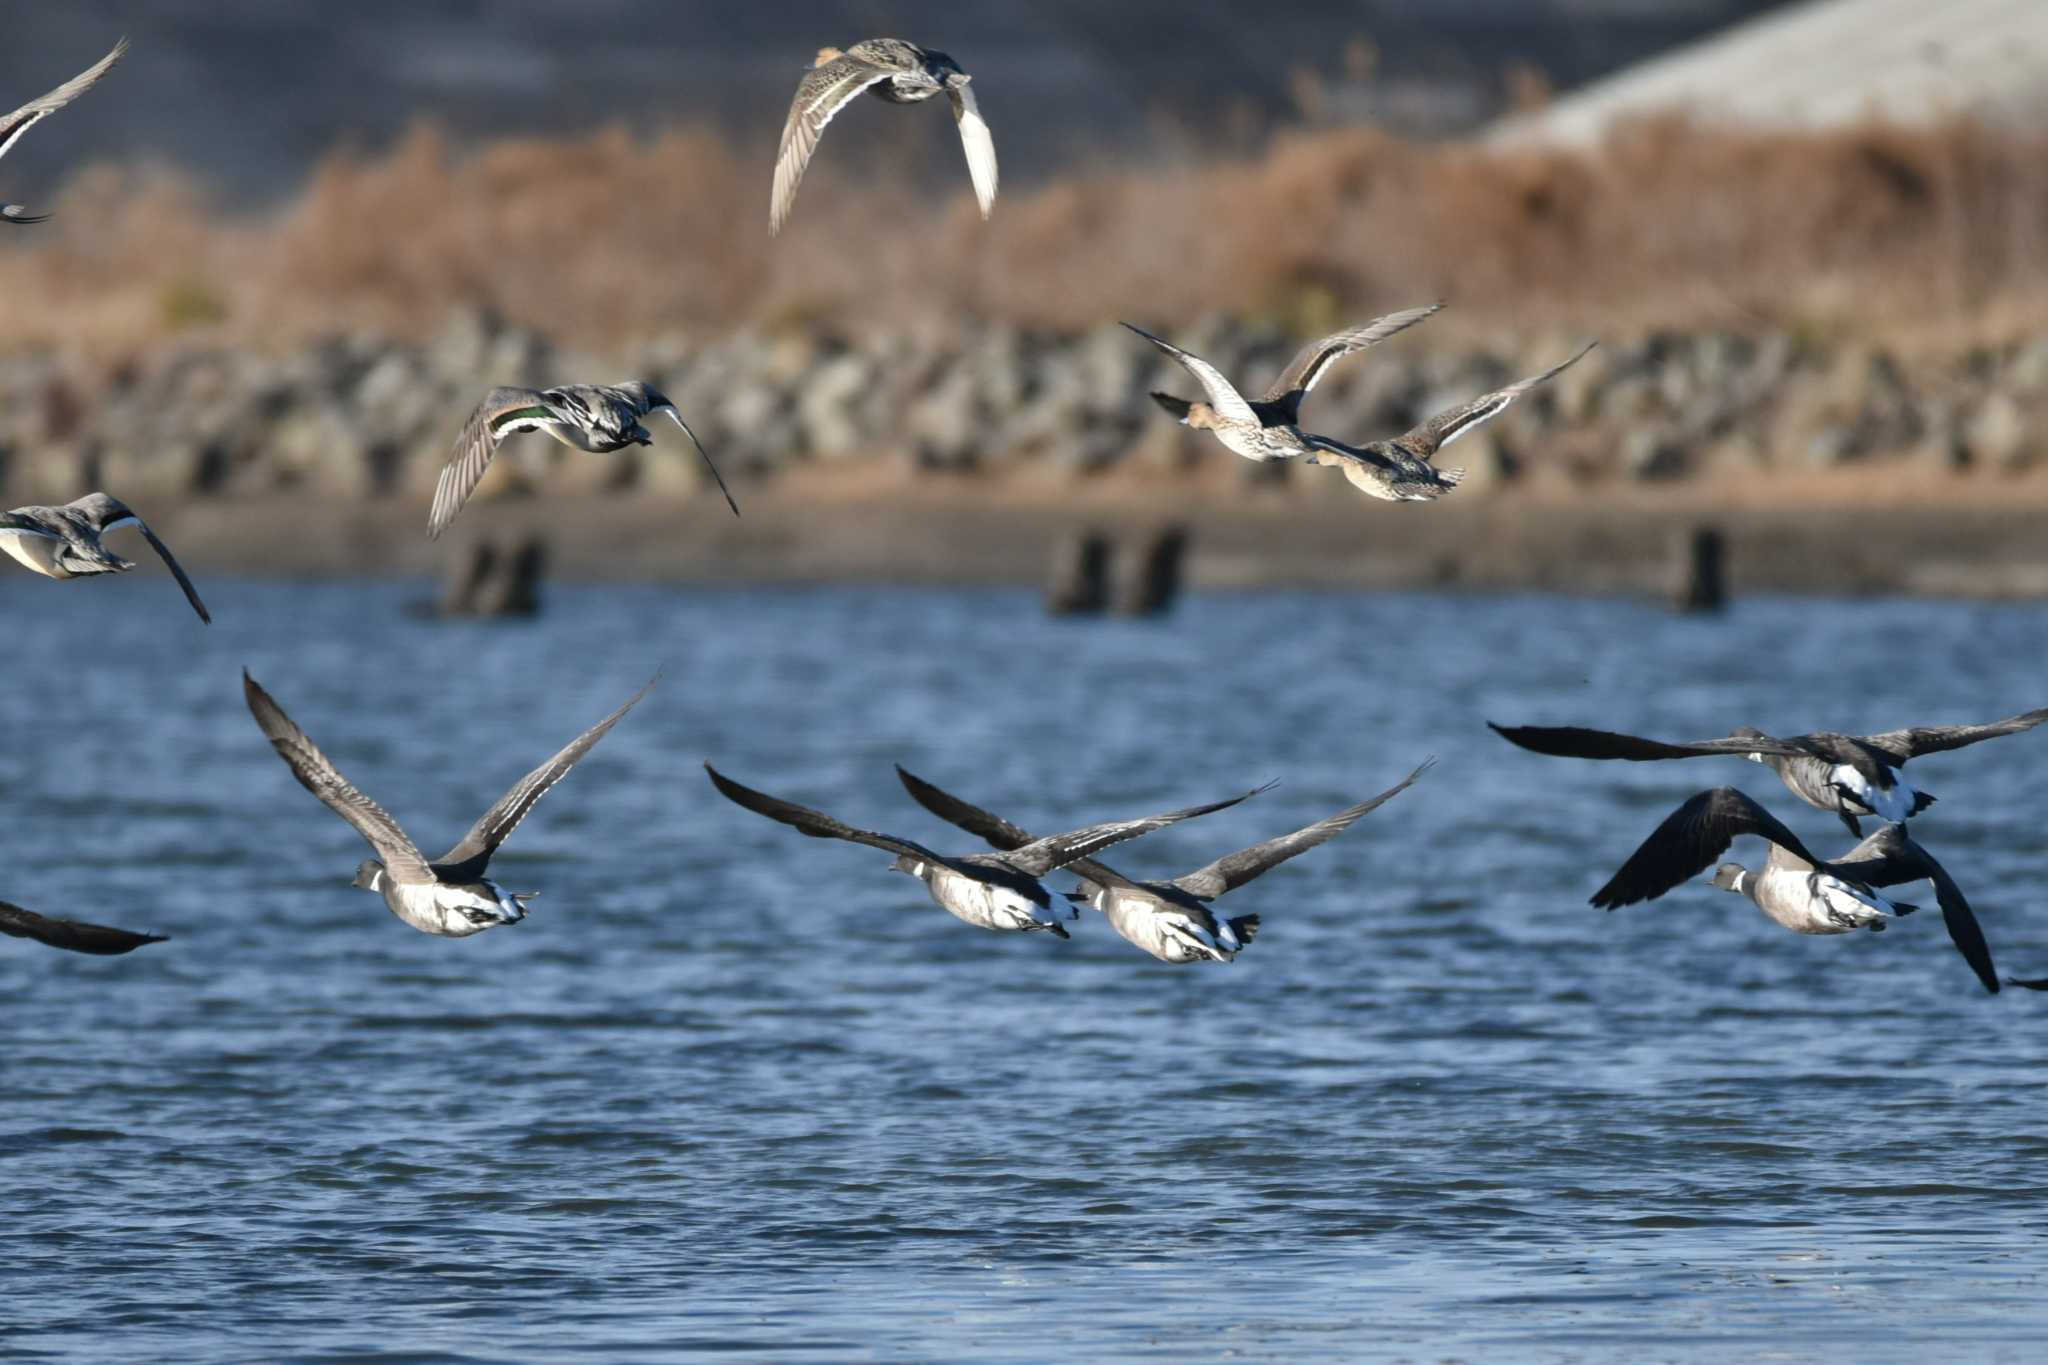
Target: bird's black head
{"type": "Point", "coordinates": [367, 873]}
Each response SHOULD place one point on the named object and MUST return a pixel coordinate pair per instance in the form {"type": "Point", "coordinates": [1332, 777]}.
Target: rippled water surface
{"type": "Point", "coordinates": [734, 1091]}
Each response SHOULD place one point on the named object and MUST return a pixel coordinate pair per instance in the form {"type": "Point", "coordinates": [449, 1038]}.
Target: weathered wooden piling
{"type": "Point", "coordinates": [1701, 568]}
{"type": "Point", "coordinates": [1148, 580]}
{"type": "Point", "coordinates": [1079, 584]}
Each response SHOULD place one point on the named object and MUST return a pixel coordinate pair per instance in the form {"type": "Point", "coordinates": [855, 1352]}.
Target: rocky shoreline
{"type": "Point", "coordinates": [1833, 468]}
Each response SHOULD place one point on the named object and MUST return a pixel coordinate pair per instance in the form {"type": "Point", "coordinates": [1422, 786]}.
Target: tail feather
{"type": "Point", "coordinates": [1903, 908]}
{"type": "Point", "coordinates": [1177, 406]}
{"type": "Point", "coordinates": [1921, 801]}
{"type": "Point", "coordinates": [1454, 475]}
{"type": "Point", "coordinates": [1246, 927]}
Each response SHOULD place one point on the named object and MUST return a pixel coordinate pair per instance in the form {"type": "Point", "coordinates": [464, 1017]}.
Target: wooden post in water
{"type": "Point", "coordinates": [516, 590]}
{"type": "Point", "coordinates": [1702, 567]}
{"type": "Point", "coordinates": [466, 579]}
{"type": "Point", "coordinates": [1079, 584]}
{"type": "Point", "coordinates": [1149, 585]}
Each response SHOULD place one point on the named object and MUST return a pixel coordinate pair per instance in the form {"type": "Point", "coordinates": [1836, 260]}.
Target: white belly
{"type": "Point", "coordinates": [986, 906]}
{"type": "Point", "coordinates": [1891, 804]}
{"type": "Point", "coordinates": [1165, 931]}
{"type": "Point", "coordinates": [34, 550]}
{"type": "Point", "coordinates": [445, 910]}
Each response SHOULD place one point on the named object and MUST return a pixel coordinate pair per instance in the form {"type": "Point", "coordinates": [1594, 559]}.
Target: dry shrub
{"type": "Point", "coordinates": [606, 239]}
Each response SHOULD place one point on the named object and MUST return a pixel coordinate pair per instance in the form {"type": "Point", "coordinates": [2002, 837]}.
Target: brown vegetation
{"type": "Point", "coordinates": [606, 240]}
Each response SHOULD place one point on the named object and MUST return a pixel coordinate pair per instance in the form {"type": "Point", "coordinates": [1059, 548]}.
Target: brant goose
{"type": "Point", "coordinates": [1169, 920]}
{"type": "Point", "coordinates": [992, 891]}
{"type": "Point", "coordinates": [451, 896]}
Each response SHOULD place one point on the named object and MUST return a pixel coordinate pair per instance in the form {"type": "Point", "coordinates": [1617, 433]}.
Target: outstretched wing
{"type": "Point", "coordinates": [1228, 402]}
{"type": "Point", "coordinates": [1571, 741]}
{"type": "Point", "coordinates": [1691, 838]}
{"type": "Point", "coordinates": [815, 823]}
{"type": "Point", "coordinates": [1056, 851]}
{"type": "Point", "coordinates": [504, 410]}
{"type": "Point", "coordinates": [1234, 870]}
{"type": "Point", "coordinates": [979, 145]}
{"type": "Point", "coordinates": [1928, 739]}
{"type": "Point", "coordinates": [109, 514]}
{"type": "Point", "coordinates": [820, 95]}
{"type": "Point", "coordinates": [70, 934]}
{"type": "Point", "coordinates": [1439, 431]}
{"type": "Point", "coordinates": [467, 860]}
{"type": "Point", "coordinates": [22, 119]}
{"type": "Point", "coordinates": [320, 777]}
{"type": "Point", "coordinates": [998, 832]}
{"type": "Point", "coordinates": [1312, 360]}
{"type": "Point", "coordinates": [1890, 857]}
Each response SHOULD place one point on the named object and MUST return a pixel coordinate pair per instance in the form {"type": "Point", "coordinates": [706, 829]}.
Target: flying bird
{"type": "Point", "coordinates": [890, 69]}
{"type": "Point", "coordinates": [36, 110]}
{"type": "Point", "coordinates": [1400, 470]}
{"type": "Point", "coordinates": [1170, 920]}
{"type": "Point", "coordinates": [1229, 415]}
{"type": "Point", "coordinates": [1796, 889]}
{"type": "Point", "coordinates": [69, 934]}
{"type": "Point", "coordinates": [999, 891]}
{"type": "Point", "coordinates": [596, 417]}
{"type": "Point", "coordinates": [1281, 405]}
{"type": "Point", "coordinates": [1850, 775]}
{"type": "Point", "coordinates": [64, 542]}
{"type": "Point", "coordinates": [449, 896]}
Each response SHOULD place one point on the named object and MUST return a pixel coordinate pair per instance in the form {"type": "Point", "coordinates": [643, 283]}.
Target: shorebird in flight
{"type": "Point", "coordinates": [1170, 920]}
{"type": "Point", "coordinates": [72, 935]}
{"type": "Point", "coordinates": [890, 69]}
{"type": "Point", "coordinates": [596, 417]}
{"type": "Point", "coordinates": [36, 110]}
{"type": "Point", "coordinates": [64, 542]}
{"type": "Point", "coordinates": [1400, 470]}
{"type": "Point", "coordinates": [1851, 775]}
{"type": "Point", "coordinates": [1805, 894]}
{"type": "Point", "coordinates": [449, 896]}
{"type": "Point", "coordinates": [1281, 405]}
{"type": "Point", "coordinates": [999, 891]}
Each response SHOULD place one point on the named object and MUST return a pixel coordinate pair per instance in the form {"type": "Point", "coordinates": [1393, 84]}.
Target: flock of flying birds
{"type": "Point", "coordinates": [1004, 890]}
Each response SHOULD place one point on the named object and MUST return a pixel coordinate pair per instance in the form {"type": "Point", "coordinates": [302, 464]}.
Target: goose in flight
{"type": "Point", "coordinates": [596, 417]}
{"type": "Point", "coordinates": [999, 891]}
{"type": "Point", "coordinates": [1281, 404]}
{"type": "Point", "coordinates": [1796, 889]}
{"type": "Point", "coordinates": [64, 542]}
{"type": "Point", "coordinates": [1170, 920]}
{"type": "Point", "coordinates": [450, 896]}
{"type": "Point", "coordinates": [1850, 775]}
{"type": "Point", "coordinates": [69, 934]}
{"type": "Point", "coordinates": [1399, 470]}
{"type": "Point", "coordinates": [36, 110]}
{"type": "Point", "coordinates": [890, 69]}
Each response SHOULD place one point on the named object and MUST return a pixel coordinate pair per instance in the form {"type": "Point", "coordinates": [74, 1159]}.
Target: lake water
{"type": "Point", "coordinates": [732, 1091]}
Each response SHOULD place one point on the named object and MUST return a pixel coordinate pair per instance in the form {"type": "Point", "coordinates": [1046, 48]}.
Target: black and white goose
{"type": "Point", "coordinates": [891, 70]}
{"type": "Point", "coordinates": [450, 896]}
{"type": "Point", "coordinates": [1804, 893]}
{"type": "Point", "coordinates": [73, 936]}
{"type": "Point", "coordinates": [64, 542]}
{"type": "Point", "coordinates": [1281, 403]}
{"type": "Point", "coordinates": [599, 418]}
{"type": "Point", "coordinates": [1170, 920]}
{"type": "Point", "coordinates": [1851, 775]}
{"type": "Point", "coordinates": [999, 891]}
{"type": "Point", "coordinates": [36, 110]}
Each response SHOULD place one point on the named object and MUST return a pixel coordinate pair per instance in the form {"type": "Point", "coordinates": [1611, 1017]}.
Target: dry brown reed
{"type": "Point", "coordinates": [607, 239]}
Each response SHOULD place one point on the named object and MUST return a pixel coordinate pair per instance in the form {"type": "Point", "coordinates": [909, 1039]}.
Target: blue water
{"type": "Point", "coordinates": [735, 1092]}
